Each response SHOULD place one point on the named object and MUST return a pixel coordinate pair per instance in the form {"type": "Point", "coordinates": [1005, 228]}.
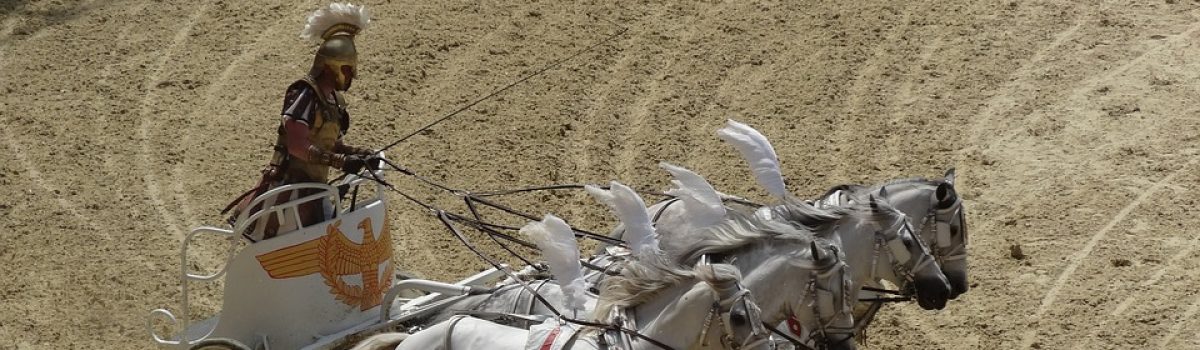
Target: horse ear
{"type": "Point", "coordinates": [946, 195]}
{"type": "Point", "coordinates": [949, 178]}
{"type": "Point", "coordinates": [883, 192]}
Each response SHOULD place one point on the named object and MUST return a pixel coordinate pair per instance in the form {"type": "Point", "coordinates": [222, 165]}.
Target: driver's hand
{"type": "Point", "coordinates": [373, 162]}
{"type": "Point", "coordinates": [353, 163]}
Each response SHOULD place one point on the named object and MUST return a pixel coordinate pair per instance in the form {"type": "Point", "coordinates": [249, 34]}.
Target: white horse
{"type": "Point", "coordinates": [686, 309]}
{"type": "Point", "coordinates": [877, 240]}
{"type": "Point", "coordinates": [818, 300]}
{"type": "Point", "coordinates": [798, 277]}
{"type": "Point", "coordinates": [932, 205]}
{"type": "Point", "coordinates": [880, 245]}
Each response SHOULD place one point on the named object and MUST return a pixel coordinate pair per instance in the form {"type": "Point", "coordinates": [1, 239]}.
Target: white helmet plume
{"type": "Point", "coordinates": [701, 202]}
{"type": "Point", "coordinates": [631, 210]}
{"type": "Point", "coordinates": [337, 17]}
{"type": "Point", "coordinates": [557, 242]}
{"type": "Point", "coordinates": [757, 151]}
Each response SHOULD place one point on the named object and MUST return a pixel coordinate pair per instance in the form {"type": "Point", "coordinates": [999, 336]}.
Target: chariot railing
{"type": "Point", "coordinates": [184, 334]}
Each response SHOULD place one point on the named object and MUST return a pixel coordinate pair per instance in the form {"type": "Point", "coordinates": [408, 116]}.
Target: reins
{"type": "Point", "coordinates": [538, 72]}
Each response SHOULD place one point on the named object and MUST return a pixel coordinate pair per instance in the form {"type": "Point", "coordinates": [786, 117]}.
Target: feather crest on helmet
{"type": "Point", "coordinates": [336, 18]}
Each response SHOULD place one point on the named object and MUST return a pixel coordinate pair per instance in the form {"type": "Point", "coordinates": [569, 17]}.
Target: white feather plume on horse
{"type": "Point", "coordinates": [631, 210]}
{"type": "Point", "coordinates": [325, 18]}
{"type": "Point", "coordinates": [702, 204]}
{"type": "Point", "coordinates": [757, 151]}
{"type": "Point", "coordinates": [557, 242]}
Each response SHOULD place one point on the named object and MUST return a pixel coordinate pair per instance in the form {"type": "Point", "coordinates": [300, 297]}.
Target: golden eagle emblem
{"type": "Point", "coordinates": [333, 255]}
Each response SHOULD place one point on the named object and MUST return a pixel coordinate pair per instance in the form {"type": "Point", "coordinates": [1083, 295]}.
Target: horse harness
{"type": "Point", "coordinates": [939, 223]}
{"type": "Point", "coordinates": [824, 304]}
{"type": "Point", "coordinates": [903, 265]}
{"type": "Point", "coordinates": [624, 334]}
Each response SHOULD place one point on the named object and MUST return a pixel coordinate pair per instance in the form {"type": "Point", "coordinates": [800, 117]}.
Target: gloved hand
{"type": "Point", "coordinates": [353, 163]}
{"type": "Point", "coordinates": [373, 162]}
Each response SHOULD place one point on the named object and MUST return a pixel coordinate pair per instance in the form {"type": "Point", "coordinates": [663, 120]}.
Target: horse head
{"type": "Point", "coordinates": [936, 208]}
{"type": "Point", "coordinates": [912, 264]}
{"type": "Point", "coordinates": [797, 277]}
{"type": "Point", "coordinates": [739, 317]}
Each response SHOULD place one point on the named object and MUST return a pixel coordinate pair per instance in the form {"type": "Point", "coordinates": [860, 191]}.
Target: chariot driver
{"type": "Point", "coordinates": [313, 122]}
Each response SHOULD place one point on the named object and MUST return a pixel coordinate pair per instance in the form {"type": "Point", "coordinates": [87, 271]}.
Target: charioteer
{"type": "Point", "coordinates": [312, 125]}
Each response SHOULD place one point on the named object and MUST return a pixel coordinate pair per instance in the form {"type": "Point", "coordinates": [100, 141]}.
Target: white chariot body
{"type": "Point", "coordinates": [312, 288]}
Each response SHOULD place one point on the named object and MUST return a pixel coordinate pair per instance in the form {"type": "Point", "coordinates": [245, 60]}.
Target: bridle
{"type": "Point", "coordinates": [939, 222]}
{"type": "Point", "coordinates": [826, 304]}
{"type": "Point", "coordinates": [891, 242]}
{"type": "Point", "coordinates": [721, 311]}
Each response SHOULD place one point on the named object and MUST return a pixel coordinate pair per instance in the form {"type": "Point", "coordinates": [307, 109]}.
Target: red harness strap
{"type": "Point", "coordinates": [549, 343]}
{"type": "Point", "coordinates": [794, 326]}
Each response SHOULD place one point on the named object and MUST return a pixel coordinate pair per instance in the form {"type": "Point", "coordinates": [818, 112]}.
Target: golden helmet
{"type": "Point", "coordinates": [334, 28]}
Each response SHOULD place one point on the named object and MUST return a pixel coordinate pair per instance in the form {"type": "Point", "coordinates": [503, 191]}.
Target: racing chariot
{"type": "Point", "coordinates": [815, 267]}
{"type": "Point", "coordinates": [316, 287]}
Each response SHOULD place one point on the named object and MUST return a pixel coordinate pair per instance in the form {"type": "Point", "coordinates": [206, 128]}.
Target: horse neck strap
{"type": "Point", "coordinates": [824, 304]}
{"type": "Point", "coordinates": [832, 200]}
{"type": "Point", "coordinates": [758, 333]}
{"type": "Point", "coordinates": [894, 242]}
{"type": "Point", "coordinates": [721, 310]}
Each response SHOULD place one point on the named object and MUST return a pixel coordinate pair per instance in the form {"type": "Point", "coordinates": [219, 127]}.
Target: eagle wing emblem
{"type": "Point", "coordinates": [298, 260]}
{"type": "Point", "coordinates": [334, 255]}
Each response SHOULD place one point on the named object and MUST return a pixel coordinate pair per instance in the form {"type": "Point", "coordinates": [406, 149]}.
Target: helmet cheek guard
{"type": "Point", "coordinates": [337, 56]}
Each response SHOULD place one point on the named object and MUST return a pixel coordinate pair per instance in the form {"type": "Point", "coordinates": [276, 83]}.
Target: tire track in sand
{"type": "Point", "coordinates": [578, 143]}
{"type": "Point", "coordinates": [631, 150]}
{"type": "Point", "coordinates": [859, 102]}
{"type": "Point", "coordinates": [153, 188]}
{"type": "Point", "coordinates": [1004, 101]}
{"type": "Point", "coordinates": [1188, 315]}
{"type": "Point", "coordinates": [868, 82]}
{"type": "Point", "coordinates": [995, 106]}
{"type": "Point", "coordinates": [249, 50]}
{"type": "Point", "coordinates": [31, 171]}
{"type": "Point", "coordinates": [1080, 255]}
{"type": "Point", "coordinates": [628, 151]}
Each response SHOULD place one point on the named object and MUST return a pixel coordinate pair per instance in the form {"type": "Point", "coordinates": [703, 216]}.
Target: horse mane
{"type": "Point", "coordinates": [860, 191]}
{"type": "Point", "coordinates": [643, 278]}
{"type": "Point", "coordinates": [909, 180]}
{"type": "Point", "coordinates": [808, 216]}
{"type": "Point", "coordinates": [849, 188]}
{"type": "Point", "coordinates": [743, 232]}
{"type": "Point", "coordinates": [882, 213]}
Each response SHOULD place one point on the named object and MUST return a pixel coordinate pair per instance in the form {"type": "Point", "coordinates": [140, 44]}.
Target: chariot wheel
{"type": "Point", "coordinates": [219, 344]}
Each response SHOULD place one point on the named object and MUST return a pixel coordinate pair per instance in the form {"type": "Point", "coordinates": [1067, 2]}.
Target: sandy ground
{"type": "Point", "coordinates": [1072, 125]}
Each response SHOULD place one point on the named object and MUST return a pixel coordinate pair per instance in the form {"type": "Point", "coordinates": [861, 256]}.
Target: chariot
{"type": "Point", "coordinates": [317, 287]}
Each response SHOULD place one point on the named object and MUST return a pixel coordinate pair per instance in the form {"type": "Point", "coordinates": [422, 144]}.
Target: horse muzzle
{"type": "Point", "coordinates": [958, 283]}
{"type": "Point", "coordinates": [932, 293]}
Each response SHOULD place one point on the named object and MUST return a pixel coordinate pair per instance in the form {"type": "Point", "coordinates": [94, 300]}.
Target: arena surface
{"type": "Point", "coordinates": [1072, 124]}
